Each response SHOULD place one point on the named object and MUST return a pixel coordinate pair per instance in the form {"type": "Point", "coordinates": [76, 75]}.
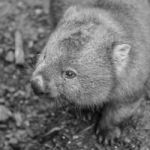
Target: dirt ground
{"type": "Point", "coordinates": [28, 122]}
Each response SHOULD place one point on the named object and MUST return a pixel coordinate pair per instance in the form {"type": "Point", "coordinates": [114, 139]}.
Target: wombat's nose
{"type": "Point", "coordinates": [37, 85]}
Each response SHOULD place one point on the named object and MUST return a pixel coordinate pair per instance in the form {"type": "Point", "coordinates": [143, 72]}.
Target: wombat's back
{"type": "Point", "coordinates": [58, 7]}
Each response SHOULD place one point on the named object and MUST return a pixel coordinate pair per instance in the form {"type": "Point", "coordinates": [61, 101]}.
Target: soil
{"type": "Point", "coordinates": [28, 122]}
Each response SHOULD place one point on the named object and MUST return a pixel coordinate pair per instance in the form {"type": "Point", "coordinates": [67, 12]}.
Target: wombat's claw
{"type": "Point", "coordinates": [87, 117]}
{"type": "Point", "coordinates": [105, 140]}
{"type": "Point", "coordinates": [108, 136]}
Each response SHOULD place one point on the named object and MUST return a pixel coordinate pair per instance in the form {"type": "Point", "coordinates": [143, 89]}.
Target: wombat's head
{"type": "Point", "coordinates": [81, 59]}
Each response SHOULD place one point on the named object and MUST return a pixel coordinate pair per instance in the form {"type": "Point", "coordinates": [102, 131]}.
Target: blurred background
{"type": "Point", "coordinates": [28, 122]}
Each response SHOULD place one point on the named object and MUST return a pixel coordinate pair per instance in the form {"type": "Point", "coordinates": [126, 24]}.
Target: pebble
{"type": "Point", "coordinates": [21, 5]}
{"type": "Point", "coordinates": [145, 148]}
{"type": "Point", "coordinates": [79, 143]}
{"type": "Point", "coordinates": [18, 118]}
{"type": "Point", "coordinates": [38, 11]}
{"type": "Point", "coordinates": [1, 51]}
{"type": "Point", "coordinates": [5, 113]}
{"type": "Point", "coordinates": [3, 126]}
{"type": "Point", "coordinates": [4, 8]}
{"type": "Point", "coordinates": [133, 146]}
{"type": "Point", "coordinates": [10, 69]}
{"type": "Point", "coordinates": [75, 137]}
{"type": "Point", "coordinates": [20, 134]}
{"type": "Point", "coordinates": [41, 30]}
{"type": "Point", "coordinates": [127, 140]}
{"type": "Point", "coordinates": [2, 100]}
{"type": "Point", "coordinates": [10, 57]}
{"type": "Point", "coordinates": [19, 93]}
{"type": "Point", "coordinates": [27, 123]}
{"type": "Point", "coordinates": [13, 141]}
{"type": "Point", "coordinates": [2, 92]}
{"type": "Point", "coordinates": [30, 44]}
{"type": "Point", "coordinates": [11, 89]}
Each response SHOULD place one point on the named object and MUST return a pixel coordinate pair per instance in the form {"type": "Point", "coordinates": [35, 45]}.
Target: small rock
{"type": "Point", "coordinates": [63, 137]}
{"type": "Point", "coordinates": [21, 5]}
{"type": "Point", "coordinates": [38, 11]}
{"type": "Point", "coordinates": [9, 135]}
{"type": "Point", "coordinates": [27, 123]}
{"type": "Point", "coordinates": [18, 119]}
{"type": "Point", "coordinates": [10, 57]}
{"type": "Point", "coordinates": [5, 8]}
{"type": "Point", "coordinates": [29, 132]}
{"type": "Point", "coordinates": [41, 30]}
{"type": "Point", "coordinates": [127, 140]}
{"type": "Point", "coordinates": [20, 93]}
{"type": "Point", "coordinates": [20, 134]}
{"type": "Point", "coordinates": [30, 44]}
{"type": "Point", "coordinates": [75, 137]}
{"type": "Point", "coordinates": [7, 35]}
{"type": "Point", "coordinates": [2, 92]}
{"type": "Point", "coordinates": [10, 69]}
{"type": "Point", "coordinates": [133, 146]}
{"type": "Point", "coordinates": [147, 127]}
{"type": "Point", "coordinates": [41, 33]}
{"type": "Point", "coordinates": [5, 113]}
{"type": "Point", "coordinates": [11, 28]}
{"type": "Point", "coordinates": [13, 141]}
{"type": "Point", "coordinates": [7, 88]}
{"type": "Point", "coordinates": [28, 90]}
{"type": "Point", "coordinates": [86, 147]}
{"type": "Point", "coordinates": [2, 100]}
{"type": "Point", "coordinates": [116, 147]}
{"type": "Point", "coordinates": [79, 143]}
{"type": "Point", "coordinates": [1, 51]}
{"type": "Point", "coordinates": [3, 126]}
{"type": "Point", "coordinates": [145, 148]}
{"type": "Point", "coordinates": [11, 89]}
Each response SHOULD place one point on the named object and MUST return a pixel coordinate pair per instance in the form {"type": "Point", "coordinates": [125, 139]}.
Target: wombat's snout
{"type": "Point", "coordinates": [37, 84]}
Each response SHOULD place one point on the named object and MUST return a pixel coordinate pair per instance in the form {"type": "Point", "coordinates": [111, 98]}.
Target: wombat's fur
{"type": "Point", "coordinates": [99, 55]}
{"type": "Point", "coordinates": [58, 7]}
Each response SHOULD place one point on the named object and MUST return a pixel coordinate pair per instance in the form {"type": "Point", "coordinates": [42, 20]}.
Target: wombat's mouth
{"type": "Point", "coordinates": [46, 96]}
{"type": "Point", "coordinates": [59, 101]}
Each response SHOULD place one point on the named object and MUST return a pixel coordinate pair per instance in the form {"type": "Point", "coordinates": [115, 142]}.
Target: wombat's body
{"type": "Point", "coordinates": [99, 55]}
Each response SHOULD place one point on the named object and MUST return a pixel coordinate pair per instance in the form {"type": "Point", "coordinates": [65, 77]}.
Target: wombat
{"type": "Point", "coordinates": [98, 56]}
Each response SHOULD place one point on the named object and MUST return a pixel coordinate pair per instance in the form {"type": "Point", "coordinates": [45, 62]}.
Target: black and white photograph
{"type": "Point", "coordinates": [74, 74]}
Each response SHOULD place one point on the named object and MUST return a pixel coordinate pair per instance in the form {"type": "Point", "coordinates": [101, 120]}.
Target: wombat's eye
{"type": "Point", "coordinates": [69, 74]}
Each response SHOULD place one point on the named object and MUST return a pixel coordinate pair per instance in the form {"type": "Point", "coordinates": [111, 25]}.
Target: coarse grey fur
{"type": "Point", "coordinates": [106, 42]}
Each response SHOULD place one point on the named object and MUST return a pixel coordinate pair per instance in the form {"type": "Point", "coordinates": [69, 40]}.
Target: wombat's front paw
{"type": "Point", "coordinates": [107, 136]}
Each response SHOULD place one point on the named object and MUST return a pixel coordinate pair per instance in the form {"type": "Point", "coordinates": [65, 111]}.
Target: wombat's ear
{"type": "Point", "coordinates": [121, 56]}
